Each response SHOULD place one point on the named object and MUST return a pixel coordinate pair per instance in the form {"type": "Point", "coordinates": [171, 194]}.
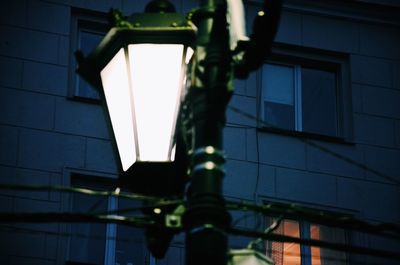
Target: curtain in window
{"type": "Point", "coordinates": [285, 253]}
{"type": "Point", "coordinates": [326, 256]}
{"type": "Point", "coordinates": [277, 248]}
{"type": "Point", "coordinates": [274, 250]}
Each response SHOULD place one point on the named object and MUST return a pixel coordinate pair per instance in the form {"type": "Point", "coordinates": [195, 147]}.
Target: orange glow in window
{"type": "Point", "coordinates": [315, 251]}
{"type": "Point", "coordinates": [287, 253]}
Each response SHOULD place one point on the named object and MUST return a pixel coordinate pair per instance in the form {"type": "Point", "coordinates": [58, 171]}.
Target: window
{"type": "Point", "coordinates": [294, 254]}
{"type": "Point", "coordinates": [305, 93]}
{"type": "Point", "coordinates": [92, 243]}
{"type": "Point", "coordinates": [87, 30]}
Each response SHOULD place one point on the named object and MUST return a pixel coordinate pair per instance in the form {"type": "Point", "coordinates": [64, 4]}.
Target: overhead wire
{"type": "Point", "coordinates": [146, 222]}
{"type": "Point", "coordinates": [388, 230]}
{"type": "Point", "coordinates": [159, 205]}
{"type": "Point", "coordinates": [14, 230]}
{"type": "Point", "coordinates": [85, 191]}
{"type": "Point", "coordinates": [322, 148]}
{"type": "Point", "coordinates": [325, 258]}
{"type": "Point", "coordinates": [255, 193]}
{"type": "Point", "coordinates": [288, 210]}
{"type": "Point", "coordinates": [109, 216]}
{"type": "Point", "coordinates": [294, 211]}
{"type": "Point", "coordinates": [317, 243]}
{"type": "Point", "coordinates": [143, 222]}
{"type": "Point", "coordinates": [45, 217]}
{"type": "Point", "coordinates": [125, 239]}
{"type": "Point", "coordinates": [337, 260]}
{"type": "Point", "coordinates": [275, 225]}
{"type": "Point", "coordinates": [242, 218]}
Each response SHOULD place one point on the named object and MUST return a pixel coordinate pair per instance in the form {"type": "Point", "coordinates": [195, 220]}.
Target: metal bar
{"type": "Point", "coordinates": [206, 218]}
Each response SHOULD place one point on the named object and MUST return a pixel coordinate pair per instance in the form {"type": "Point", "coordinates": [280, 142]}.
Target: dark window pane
{"type": "Point", "coordinates": [279, 115]}
{"type": "Point", "coordinates": [87, 42]}
{"type": "Point", "coordinates": [85, 90]}
{"type": "Point", "coordinates": [131, 246]}
{"type": "Point", "coordinates": [174, 256]}
{"type": "Point", "coordinates": [278, 96]}
{"type": "Point", "coordinates": [323, 256]}
{"type": "Point", "coordinates": [319, 110]}
{"type": "Point", "coordinates": [88, 240]}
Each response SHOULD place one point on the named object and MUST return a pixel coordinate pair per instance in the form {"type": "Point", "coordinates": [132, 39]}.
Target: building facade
{"type": "Point", "coordinates": [318, 125]}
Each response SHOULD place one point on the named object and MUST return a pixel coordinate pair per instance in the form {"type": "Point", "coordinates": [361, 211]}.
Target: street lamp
{"type": "Point", "coordinates": [140, 68]}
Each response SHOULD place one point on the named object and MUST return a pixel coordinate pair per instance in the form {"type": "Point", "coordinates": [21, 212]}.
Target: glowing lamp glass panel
{"type": "Point", "coordinates": [143, 87]}
{"type": "Point", "coordinates": [157, 80]}
{"type": "Point", "coordinates": [116, 87]}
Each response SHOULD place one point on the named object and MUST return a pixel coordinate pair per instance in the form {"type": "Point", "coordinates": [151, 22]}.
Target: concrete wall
{"type": "Point", "coordinates": [44, 135]}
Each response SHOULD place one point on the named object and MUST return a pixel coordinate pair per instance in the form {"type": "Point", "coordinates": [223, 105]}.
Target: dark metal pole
{"type": "Point", "coordinates": [206, 219]}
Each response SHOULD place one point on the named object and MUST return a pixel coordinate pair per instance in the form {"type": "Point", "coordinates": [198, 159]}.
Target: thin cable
{"type": "Point", "coordinates": [323, 149]}
{"type": "Point", "coordinates": [50, 217]}
{"type": "Point", "coordinates": [125, 195]}
{"type": "Point", "coordinates": [255, 193]}
{"type": "Point", "coordinates": [244, 217]}
{"type": "Point", "coordinates": [293, 211]}
{"type": "Point", "coordinates": [160, 204]}
{"type": "Point", "coordinates": [143, 222]}
{"type": "Point", "coordinates": [257, 179]}
{"type": "Point", "coordinates": [267, 231]}
{"type": "Point", "coordinates": [122, 238]}
{"type": "Point", "coordinates": [63, 234]}
{"type": "Point", "coordinates": [45, 217]}
{"type": "Point", "coordinates": [326, 258]}
{"type": "Point", "coordinates": [96, 205]}
{"type": "Point", "coordinates": [317, 243]}
{"type": "Point", "coordinates": [130, 240]}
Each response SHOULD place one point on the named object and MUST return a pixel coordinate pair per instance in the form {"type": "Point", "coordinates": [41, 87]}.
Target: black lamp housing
{"type": "Point", "coordinates": [156, 26]}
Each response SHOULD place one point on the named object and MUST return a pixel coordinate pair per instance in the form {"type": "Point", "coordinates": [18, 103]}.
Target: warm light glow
{"type": "Point", "coordinates": [157, 210]}
{"type": "Point", "coordinates": [157, 80]}
{"type": "Point", "coordinates": [287, 253]}
{"type": "Point", "coordinates": [116, 90]}
{"type": "Point", "coordinates": [291, 251]}
{"type": "Point", "coordinates": [315, 251]}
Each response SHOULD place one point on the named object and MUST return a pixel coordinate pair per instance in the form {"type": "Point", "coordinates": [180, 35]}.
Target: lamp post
{"type": "Point", "coordinates": [140, 68]}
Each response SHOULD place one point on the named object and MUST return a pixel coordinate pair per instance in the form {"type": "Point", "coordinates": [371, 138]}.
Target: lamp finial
{"type": "Point", "coordinates": [160, 6]}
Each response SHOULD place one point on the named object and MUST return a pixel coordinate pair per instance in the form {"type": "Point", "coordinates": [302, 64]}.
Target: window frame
{"type": "Point", "coordinates": [298, 57]}
{"type": "Point", "coordinates": [101, 182]}
{"type": "Point", "coordinates": [305, 233]}
{"type": "Point", "coordinates": [83, 20]}
{"type": "Point", "coordinates": [95, 182]}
